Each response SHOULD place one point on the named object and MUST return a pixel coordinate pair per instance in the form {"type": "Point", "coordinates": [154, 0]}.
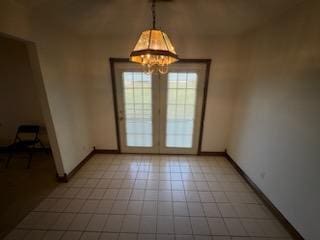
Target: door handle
{"type": "Point", "coordinates": [121, 117]}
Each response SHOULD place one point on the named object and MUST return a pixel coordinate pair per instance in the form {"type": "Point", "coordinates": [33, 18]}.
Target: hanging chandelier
{"type": "Point", "coordinates": [154, 50]}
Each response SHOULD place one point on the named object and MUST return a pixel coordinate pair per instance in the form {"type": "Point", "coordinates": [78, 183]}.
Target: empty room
{"type": "Point", "coordinates": [159, 119]}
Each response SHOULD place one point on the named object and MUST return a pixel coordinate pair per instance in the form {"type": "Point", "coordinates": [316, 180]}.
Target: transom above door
{"type": "Point", "coordinates": [159, 113]}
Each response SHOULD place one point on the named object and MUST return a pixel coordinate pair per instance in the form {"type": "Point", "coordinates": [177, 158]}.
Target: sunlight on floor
{"type": "Point", "coordinates": [152, 197]}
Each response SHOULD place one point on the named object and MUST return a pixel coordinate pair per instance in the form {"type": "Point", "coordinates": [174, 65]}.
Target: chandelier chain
{"type": "Point", "coordinates": [153, 9]}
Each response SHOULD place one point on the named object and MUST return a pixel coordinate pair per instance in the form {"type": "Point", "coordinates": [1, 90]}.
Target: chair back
{"type": "Point", "coordinates": [27, 132]}
{"type": "Point", "coordinates": [28, 129]}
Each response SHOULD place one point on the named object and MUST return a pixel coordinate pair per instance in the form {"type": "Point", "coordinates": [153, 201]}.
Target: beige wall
{"type": "Point", "coordinates": [19, 103]}
{"type": "Point", "coordinates": [65, 84]}
{"type": "Point", "coordinates": [275, 134]}
{"type": "Point", "coordinates": [221, 50]}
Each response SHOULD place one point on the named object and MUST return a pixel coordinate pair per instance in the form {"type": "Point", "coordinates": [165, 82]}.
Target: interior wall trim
{"type": "Point", "coordinates": [113, 61]}
{"type": "Point", "coordinates": [276, 212]}
{"type": "Point", "coordinates": [116, 151]}
{"type": "Point", "coordinates": [216, 154]}
{"type": "Point", "coordinates": [106, 151]}
{"type": "Point", "coordinates": [66, 177]}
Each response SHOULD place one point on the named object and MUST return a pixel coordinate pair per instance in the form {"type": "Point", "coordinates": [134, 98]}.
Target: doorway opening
{"type": "Point", "coordinates": [27, 167]}
{"type": "Point", "coordinates": [160, 113]}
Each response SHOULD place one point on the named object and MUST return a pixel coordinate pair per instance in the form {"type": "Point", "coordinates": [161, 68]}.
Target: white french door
{"type": "Point", "coordinates": [138, 116]}
{"type": "Point", "coordinates": [159, 113]}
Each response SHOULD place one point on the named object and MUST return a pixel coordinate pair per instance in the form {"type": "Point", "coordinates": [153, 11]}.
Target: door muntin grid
{"type": "Point", "coordinates": [181, 109]}
{"type": "Point", "coordinates": [137, 92]}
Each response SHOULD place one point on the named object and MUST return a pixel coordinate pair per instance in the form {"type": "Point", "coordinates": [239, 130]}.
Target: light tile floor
{"type": "Point", "coordinates": [128, 197]}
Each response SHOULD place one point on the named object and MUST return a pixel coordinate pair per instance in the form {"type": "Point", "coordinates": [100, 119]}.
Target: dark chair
{"type": "Point", "coordinates": [25, 143]}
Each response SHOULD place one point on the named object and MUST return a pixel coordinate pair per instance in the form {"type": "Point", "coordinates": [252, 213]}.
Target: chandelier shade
{"type": "Point", "coordinates": [154, 50]}
{"type": "Point", "coordinates": [154, 47]}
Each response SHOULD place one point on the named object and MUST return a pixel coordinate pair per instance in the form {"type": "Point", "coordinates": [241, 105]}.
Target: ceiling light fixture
{"type": "Point", "coordinates": [154, 50]}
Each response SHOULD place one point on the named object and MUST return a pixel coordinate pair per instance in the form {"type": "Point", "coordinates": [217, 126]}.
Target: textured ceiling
{"type": "Point", "coordinates": [183, 17]}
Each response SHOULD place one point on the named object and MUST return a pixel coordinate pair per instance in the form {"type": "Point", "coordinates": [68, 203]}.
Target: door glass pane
{"type": "Point", "coordinates": [137, 88]}
{"type": "Point", "coordinates": [181, 103]}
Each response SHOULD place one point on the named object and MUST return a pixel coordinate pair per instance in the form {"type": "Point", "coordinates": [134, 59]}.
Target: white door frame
{"type": "Point", "coordinates": [205, 64]}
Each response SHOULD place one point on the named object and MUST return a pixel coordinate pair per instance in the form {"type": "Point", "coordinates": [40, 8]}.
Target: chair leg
{"type": "Point", "coordinates": [9, 158]}
{"type": "Point", "coordinates": [44, 148]}
{"type": "Point", "coordinates": [29, 159]}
